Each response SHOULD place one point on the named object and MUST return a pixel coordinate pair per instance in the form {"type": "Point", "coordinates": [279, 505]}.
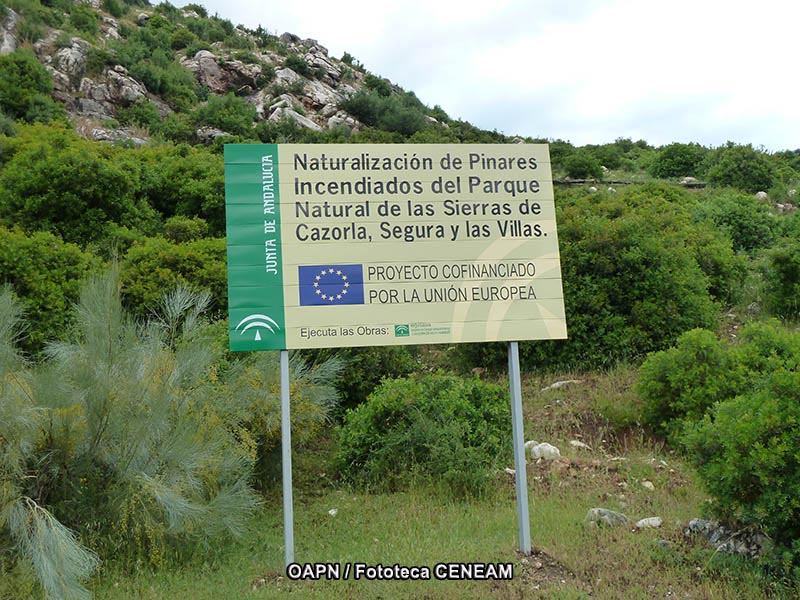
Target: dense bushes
{"type": "Point", "coordinates": [583, 165]}
{"type": "Point", "coordinates": [782, 280]}
{"type": "Point", "coordinates": [110, 439]}
{"type": "Point", "coordinates": [46, 274]}
{"type": "Point", "coordinates": [135, 439]}
{"type": "Point", "coordinates": [437, 430]}
{"type": "Point", "coordinates": [747, 220]}
{"type": "Point", "coordinates": [229, 113]}
{"type": "Point", "coordinates": [25, 87]}
{"type": "Point", "coordinates": [158, 265]}
{"type": "Point", "coordinates": [58, 182]}
{"type": "Point", "coordinates": [741, 167]}
{"type": "Point", "coordinates": [735, 409]}
{"type": "Point", "coordinates": [183, 180]}
{"type": "Point", "coordinates": [366, 368]}
{"type": "Point", "coordinates": [633, 279]}
{"type": "Point", "coordinates": [681, 384]}
{"type": "Point", "coordinates": [401, 114]}
{"type": "Point", "coordinates": [678, 160]}
{"type": "Point", "coordinates": [746, 453]}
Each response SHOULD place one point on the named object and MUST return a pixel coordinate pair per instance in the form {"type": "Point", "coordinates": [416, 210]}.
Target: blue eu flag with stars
{"type": "Point", "coordinates": [331, 285]}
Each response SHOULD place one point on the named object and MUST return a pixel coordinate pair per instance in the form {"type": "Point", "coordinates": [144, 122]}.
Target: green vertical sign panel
{"type": "Point", "coordinates": [255, 266]}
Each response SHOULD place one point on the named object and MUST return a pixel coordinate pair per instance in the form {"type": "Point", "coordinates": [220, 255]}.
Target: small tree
{"type": "Point", "coordinates": [678, 160]}
{"type": "Point", "coordinates": [583, 165]}
{"type": "Point", "coordinates": [113, 437]}
{"type": "Point", "coordinates": [741, 167]}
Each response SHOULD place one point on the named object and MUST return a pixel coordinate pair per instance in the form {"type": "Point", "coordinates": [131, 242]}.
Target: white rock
{"type": "Point", "coordinates": [649, 523]}
{"type": "Point", "coordinates": [510, 471]}
{"type": "Point", "coordinates": [285, 112]}
{"type": "Point", "coordinates": [333, 512]}
{"type": "Point", "coordinates": [603, 516]}
{"type": "Point", "coordinates": [560, 384]}
{"type": "Point", "coordinates": [579, 444]}
{"type": "Point", "coordinates": [762, 196]}
{"type": "Point", "coordinates": [286, 76]}
{"type": "Point", "coordinates": [8, 38]}
{"type": "Point", "coordinates": [648, 485]}
{"type": "Point", "coordinates": [545, 451]}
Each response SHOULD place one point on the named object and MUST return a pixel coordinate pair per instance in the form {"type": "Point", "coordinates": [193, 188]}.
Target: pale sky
{"type": "Point", "coordinates": [586, 71]}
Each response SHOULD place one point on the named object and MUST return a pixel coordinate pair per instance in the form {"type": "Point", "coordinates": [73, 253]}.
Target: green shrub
{"type": "Point", "coordinates": [229, 113]}
{"type": "Point", "coordinates": [46, 274]}
{"type": "Point", "coordinates": [25, 87]}
{"type": "Point", "coordinates": [583, 165]}
{"type": "Point", "coordinates": [378, 85]}
{"type": "Point", "coordinates": [185, 229]}
{"type": "Point", "coordinates": [746, 454]}
{"type": "Point", "coordinates": [31, 32]}
{"type": "Point", "coordinates": [297, 64]}
{"type": "Point", "coordinates": [404, 115]}
{"type": "Point", "coordinates": [58, 182]}
{"type": "Point", "coordinates": [177, 128]}
{"type": "Point", "coordinates": [438, 430]}
{"type": "Point", "coordinates": [746, 219]}
{"type": "Point", "coordinates": [681, 384]}
{"type": "Point", "coordinates": [741, 167]}
{"type": "Point", "coordinates": [366, 368]}
{"type": "Point", "coordinates": [148, 55]}
{"type": "Point", "coordinates": [84, 19]}
{"type": "Point", "coordinates": [678, 160]}
{"type": "Point", "coordinates": [632, 282]}
{"type": "Point", "coordinates": [158, 265]}
{"type": "Point", "coordinates": [142, 113]}
{"type": "Point", "coordinates": [116, 8]}
{"type": "Point", "coordinates": [117, 441]}
{"type": "Point", "coordinates": [97, 59]}
{"type": "Point", "coordinates": [183, 180]}
{"type": "Point", "coordinates": [782, 280]}
{"type": "Point", "coordinates": [608, 155]}
{"type": "Point", "coordinates": [182, 38]}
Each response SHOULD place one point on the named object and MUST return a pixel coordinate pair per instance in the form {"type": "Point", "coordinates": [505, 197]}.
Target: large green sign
{"type": "Point", "coordinates": [362, 245]}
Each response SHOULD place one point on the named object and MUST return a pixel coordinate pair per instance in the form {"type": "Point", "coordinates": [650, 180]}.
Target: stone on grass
{"type": "Point", "coordinates": [579, 444]}
{"type": "Point", "coordinates": [603, 517]}
{"type": "Point", "coordinates": [560, 384]}
{"type": "Point", "coordinates": [649, 523]}
{"type": "Point", "coordinates": [545, 451]}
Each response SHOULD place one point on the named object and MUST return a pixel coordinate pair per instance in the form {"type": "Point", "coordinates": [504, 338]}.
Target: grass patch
{"type": "Point", "coordinates": [570, 560]}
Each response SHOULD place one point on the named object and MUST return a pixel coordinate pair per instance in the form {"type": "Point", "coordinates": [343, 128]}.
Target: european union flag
{"type": "Point", "coordinates": [331, 284]}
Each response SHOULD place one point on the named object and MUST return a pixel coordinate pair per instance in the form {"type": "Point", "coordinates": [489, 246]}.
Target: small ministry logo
{"type": "Point", "coordinates": [329, 285]}
{"type": "Point", "coordinates": [402, 330]}
{"type": "Point", "coordinates": [257, 322]}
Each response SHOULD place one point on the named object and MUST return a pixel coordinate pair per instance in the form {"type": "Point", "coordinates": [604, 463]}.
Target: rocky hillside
{"type": "Point", "coordinates": [124, 71]}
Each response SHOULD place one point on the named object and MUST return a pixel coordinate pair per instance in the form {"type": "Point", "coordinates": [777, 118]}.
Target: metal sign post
{"type": "Point", "coordinates": [286, 459]}
{"type": "Point", "coordinates": [523, 516]}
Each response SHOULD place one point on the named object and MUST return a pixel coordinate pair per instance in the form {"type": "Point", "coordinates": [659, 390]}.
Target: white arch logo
{"type": "Point", "coordinates": [257, 321]}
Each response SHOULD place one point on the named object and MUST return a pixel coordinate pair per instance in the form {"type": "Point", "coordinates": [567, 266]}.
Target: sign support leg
{"type": "Point", "coordinates": [523, 516]}
{"type": "Point", "coordinates": [286, 460]}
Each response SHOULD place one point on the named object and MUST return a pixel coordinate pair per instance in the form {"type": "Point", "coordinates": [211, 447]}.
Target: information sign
{"type": "Point", "coordinates": [362, 245]}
